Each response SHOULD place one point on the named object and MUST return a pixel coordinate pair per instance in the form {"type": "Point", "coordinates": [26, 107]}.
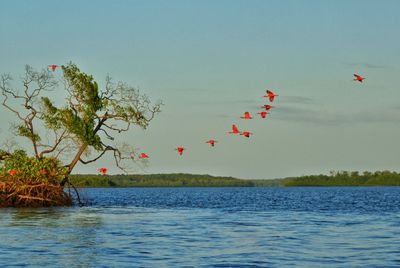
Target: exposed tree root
{"type": "Point", "coordinates": [17, 193]}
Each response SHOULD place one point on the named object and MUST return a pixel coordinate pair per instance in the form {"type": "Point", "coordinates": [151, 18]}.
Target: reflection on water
{"type": "Point", "coordinates": [54, 218]}
{"type": "Point", "coordinates": [35, 236]}
{"type": "Point", "coordinates": [219, 227]}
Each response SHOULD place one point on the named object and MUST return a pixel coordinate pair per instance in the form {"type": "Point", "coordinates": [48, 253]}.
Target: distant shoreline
{"type": "Point", "coordinates": [336, 179]}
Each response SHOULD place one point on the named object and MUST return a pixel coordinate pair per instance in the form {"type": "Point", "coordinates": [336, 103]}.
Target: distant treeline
{"type": "Point", "coordinates": [157, 180]}
{"type": "Point", "coordinates": [336, 178]}
{"type": "Point", "coordinates": [346, 178]}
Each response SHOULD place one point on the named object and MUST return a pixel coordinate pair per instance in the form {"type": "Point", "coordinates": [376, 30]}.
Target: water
{"type": "Point", "coordinates": [209, 227]}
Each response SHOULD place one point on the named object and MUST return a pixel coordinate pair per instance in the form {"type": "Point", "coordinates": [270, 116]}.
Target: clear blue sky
{"type": "Point", "coordinates": [210, 61]}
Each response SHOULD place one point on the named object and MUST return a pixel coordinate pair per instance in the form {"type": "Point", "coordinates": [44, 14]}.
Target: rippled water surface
{"type": "Point", "coordinates": [209, 227]}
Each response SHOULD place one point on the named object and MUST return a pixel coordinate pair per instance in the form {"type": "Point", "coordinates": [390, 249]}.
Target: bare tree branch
{"type": "Point", "coordinates": [113, 127]}
{"type": "Point", "coordinates": [43, 81]}
{"type": "Point", "coordinates": [56, 143]}
{"type": "Point", "coordinates": [107, 148]}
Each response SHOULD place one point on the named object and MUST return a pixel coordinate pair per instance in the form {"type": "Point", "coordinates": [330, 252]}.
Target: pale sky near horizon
{"type": "Point", "coordinates": [209, 61]}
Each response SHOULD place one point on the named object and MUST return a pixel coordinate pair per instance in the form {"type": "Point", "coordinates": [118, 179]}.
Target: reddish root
{"type": "Point", "coordinates": [17, 193]}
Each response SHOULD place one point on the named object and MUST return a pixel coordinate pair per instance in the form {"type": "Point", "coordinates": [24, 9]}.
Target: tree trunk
{"type": "Point", "coordinates": [81, 151]}
{"type": "Point", "coordinates": [76, 158]}
{"type": "Point", "coordinates": [73, 163]}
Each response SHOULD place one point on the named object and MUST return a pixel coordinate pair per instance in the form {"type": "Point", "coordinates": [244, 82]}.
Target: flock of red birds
{"type": "Point", "coordinates": [270, 95]}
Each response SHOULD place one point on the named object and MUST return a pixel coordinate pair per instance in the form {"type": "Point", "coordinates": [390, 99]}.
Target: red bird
{"type": "Point", "coordinates": [246, 116]}
{"type": "Point", "coordinates": [143, 156]}
{"type": "Point", "coordinates": [180, 150]}
{"type": "Point", "coordinates": [53, 67]}
{"type": "Point", "coordinates": [246, 134]}
{"type": "Point", "coordinates": [12, 172]}
{"type": "Point", "coordinates": [263, 114]}
{"type": "Point", "coordinates": [212, 142]}
{"type": "Point", "coordinates": [103, 170]}
{"type": "Point", "coordinates": [358, 78]}
{"type": "Point", "coordinates": [43, 172]}
{"type": "Point", "coordinates": [267, 107]}
{"type": "Point", "coordinates": [271, 95]}
{"type": "Point", "coordinates": [235, 130]}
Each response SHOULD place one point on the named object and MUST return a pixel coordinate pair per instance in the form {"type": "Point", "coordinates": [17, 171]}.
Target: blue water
{"type": "Point", "coordinates": [209, 227]}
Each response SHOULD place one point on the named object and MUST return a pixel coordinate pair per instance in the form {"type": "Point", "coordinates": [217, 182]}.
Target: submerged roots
{"type": "Point", "coordinates": [17, 193]}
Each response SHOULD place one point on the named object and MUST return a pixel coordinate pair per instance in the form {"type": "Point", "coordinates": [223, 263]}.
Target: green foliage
{"type": "Point", "coordinates": [87, 106]}
{"type": "Point", "coordinates": [3, 154]}
{"type": "Point", "coordinates": [78, 124]}
{"type": "Point", "coordinates": [25, 132]}
{"type": "Point", "coordinates": [157, 180]}
{"type": "Point", "coordinates": [345, 178]}
{"type": "Point", "coordinates": [50, 115]}
{"type": "Point", "coordinates": [85, 90]}
{"type": "Point", "coordinates": [79, 117]}
{"type": "Point", "coordinates": [31, 169]}
{"type": "Point", "coordinates": [82, 129]}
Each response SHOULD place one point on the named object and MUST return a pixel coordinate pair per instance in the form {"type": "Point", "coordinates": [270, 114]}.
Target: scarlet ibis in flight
{"type": "Point", "coordinates": [358, 78]}
{"type": "Point", "coordinates": [267, 107]}
{"type": "Point", "coordinates": [235, 130]}
{"type": "Point", "coordinates": [12, 172]}
{"type": "Point", "coordinates": [103, 170]}
{"type": "Point", "coordinates": [246, 116]}
{"type": "Point", "coordinates": [212, 142]}
{"type": "Point", "coordinates": [246, 134]}
{"type": "Point", "coordinates": [270, 95]}
{"type": "Point", "coordinates": [53, 67]}
{"type": "Point", "coordinates": [143, 156]}
{"type": "Point", "coordinates": [263, 114]}
{"type": "Point", "coordinates": [180, 150]}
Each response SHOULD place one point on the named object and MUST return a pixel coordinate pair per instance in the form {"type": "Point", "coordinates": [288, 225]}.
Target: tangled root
{"type": "Point", "coordinates": [17, 193]}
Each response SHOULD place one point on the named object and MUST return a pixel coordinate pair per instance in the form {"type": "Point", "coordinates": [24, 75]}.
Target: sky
{"type": "Point", "coordinates": [210, 61]}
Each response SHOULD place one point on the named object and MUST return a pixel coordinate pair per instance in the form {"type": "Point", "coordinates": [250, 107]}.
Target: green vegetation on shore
{"type": "Point", "coordinates": [342, 178]}
{"type": "Point", "coordinates": [345, 178]}
{"type": "Point", "coordinates": [157, 180]}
